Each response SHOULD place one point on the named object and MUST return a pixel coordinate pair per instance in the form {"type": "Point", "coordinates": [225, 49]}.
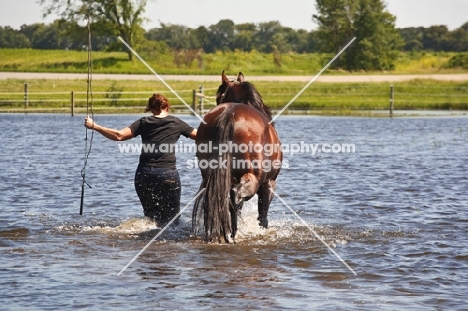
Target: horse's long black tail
{"type": "Point", "coordinates": [214, 202]}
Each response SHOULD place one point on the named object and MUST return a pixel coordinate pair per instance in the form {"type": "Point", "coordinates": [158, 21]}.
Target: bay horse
{"type": "Point", "coordinates": [244, 159]}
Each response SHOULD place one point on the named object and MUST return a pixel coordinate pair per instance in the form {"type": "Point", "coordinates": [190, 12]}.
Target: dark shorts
{"type": "Point", "coordinates": [159, 192]}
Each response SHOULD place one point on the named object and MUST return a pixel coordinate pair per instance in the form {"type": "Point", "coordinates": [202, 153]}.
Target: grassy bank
{"type": "Point", "coordinates": [130, 96]}
{"type": "Point", "coordinates": [254, 63]}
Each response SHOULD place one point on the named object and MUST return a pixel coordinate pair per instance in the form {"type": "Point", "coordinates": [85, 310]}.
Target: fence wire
{"type": "Point", "coordinates": [318, 97]}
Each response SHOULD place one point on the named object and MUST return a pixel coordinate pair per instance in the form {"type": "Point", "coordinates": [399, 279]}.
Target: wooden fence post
{"type": "Point", "coordinates": [72, 104]}
{"type": "Point", "coordinates": [201, 98]}
{"type": "Point", "coordinates": [392, 103]}
{"type": "Point", "coordinates": [194, 102]}
{"type": "Point", "coordinates": [26, 96]}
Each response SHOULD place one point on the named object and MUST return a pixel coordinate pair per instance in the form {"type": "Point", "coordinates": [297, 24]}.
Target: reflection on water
{"type": "Point", "coordinates": [395, 210]}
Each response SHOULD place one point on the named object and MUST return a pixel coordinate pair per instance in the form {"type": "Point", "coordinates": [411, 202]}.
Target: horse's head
{"type": "Point", "coordinates": [231, 90]}
{"type": "Point", "coordinates": [241, 91]}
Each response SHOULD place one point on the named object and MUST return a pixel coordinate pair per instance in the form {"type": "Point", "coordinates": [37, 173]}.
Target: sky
{"type": "Point", "coordinates": [296, 14]}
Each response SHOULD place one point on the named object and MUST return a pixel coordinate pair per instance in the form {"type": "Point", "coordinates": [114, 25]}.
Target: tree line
{"type": "Point", "coordinates": [376, 46]}
{"type": "Point", "coordinates": [223, 36]}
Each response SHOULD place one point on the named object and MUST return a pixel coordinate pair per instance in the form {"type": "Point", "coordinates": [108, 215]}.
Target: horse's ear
{"type": "Point", "coordinates": [224, 79]}
{"type": "Point", "coordinates": [240, 77]}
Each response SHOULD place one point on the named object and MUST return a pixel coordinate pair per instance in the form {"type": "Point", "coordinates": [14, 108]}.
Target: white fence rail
{"type": "Point", "coordinates": [79, 101]}
{"type": "Point", "coordinates": [201, 100]}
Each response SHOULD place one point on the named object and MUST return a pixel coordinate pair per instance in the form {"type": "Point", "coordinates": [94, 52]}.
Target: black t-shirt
{"type": "Point", "coordinates": [159, 137]}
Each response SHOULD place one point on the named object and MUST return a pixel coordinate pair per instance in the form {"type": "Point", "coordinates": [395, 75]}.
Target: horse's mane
{"type": "Point", "coordinates": [255, 100]}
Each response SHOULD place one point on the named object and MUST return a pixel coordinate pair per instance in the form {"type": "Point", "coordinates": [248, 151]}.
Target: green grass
{"type": "Point", "coordinates": [28, 60]}
{"type": "Point", "coordinates": [332, 98]}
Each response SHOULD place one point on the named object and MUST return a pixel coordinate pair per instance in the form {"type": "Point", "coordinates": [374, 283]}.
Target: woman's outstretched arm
{"type": "Point", "coordinates": [113, 134]}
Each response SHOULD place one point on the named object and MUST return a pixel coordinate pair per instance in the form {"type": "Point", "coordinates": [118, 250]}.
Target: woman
{"type": "Point", "coordinates": [157, 180]}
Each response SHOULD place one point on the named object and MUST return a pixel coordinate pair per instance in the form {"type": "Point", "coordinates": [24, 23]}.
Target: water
{"type": "Point", "coordinates": [395, 211]}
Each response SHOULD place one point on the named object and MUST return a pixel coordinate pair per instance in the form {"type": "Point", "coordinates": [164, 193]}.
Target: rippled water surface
{"type": "Point", "coordinates": [395, 210]}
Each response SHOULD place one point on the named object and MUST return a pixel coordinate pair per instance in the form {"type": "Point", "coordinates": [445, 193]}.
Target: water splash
{"type": "Point", "coordinates": [128, 227]}
{"type": "Point", "coordinates": [282, 229]}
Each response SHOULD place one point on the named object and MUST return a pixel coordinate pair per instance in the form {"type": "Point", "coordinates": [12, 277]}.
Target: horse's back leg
{"type": "Point", "coordinates": [240, 192]}
{"type": "Point", "coordinates": [235, 213]}
{"type": "Point", "coordinates": [265, 195]}
{"type": "Point", "coordinates": [234, 209]}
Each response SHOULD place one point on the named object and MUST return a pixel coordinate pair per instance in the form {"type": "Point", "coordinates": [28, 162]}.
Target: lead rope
{"type": "Point", "coordinates": [89, 109]}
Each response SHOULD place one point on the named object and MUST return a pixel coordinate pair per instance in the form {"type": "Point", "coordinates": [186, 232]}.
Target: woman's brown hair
{"type": "Point", "coordinates": [157, 102]}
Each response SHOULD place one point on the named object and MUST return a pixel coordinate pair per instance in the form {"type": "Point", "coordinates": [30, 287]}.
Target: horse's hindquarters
{"type": "Point", "coordinates": [234, 162]}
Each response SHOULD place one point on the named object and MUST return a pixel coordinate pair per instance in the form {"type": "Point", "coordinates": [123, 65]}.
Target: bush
{"type": "Point", "coordinates": [459, 61]}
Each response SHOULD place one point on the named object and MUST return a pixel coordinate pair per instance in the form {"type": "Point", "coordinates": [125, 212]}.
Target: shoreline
{"type": "Point", "coordinates": [417, 113]}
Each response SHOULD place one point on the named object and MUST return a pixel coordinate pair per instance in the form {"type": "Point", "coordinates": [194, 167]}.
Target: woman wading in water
{"type": "Point", "coordinates": [157, 180]}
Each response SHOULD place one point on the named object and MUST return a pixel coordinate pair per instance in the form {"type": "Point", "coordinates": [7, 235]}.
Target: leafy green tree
{"type": "Point", "coordinates": [44, 37]}
{"type": "Point", "coordinates": [111, 17]}
{"type": "Point", "coordinates": [47, 38]}
{"type": "Point", "coordinates": [377, 40]}
{"type": "Point", "coordinates": [200, 37]}
{"type": "Point", "coordinates": [30, 31]}
{"type": "Point", "coordinates": [335, 25]}
{"type": "Point", "coordinates": [221, 35]}
{"type": "Point", "coordinates": [413, 38]}
{"type": "Point", "coordinates": [299, 40]}
{"type": "Point", "coordinates": [57, 35]}
{"type": "Point", "coordinates": [11, 38]}
{"type": "Point", "coordinates": [244, 37]}
{"type": "Point", "coordinates": [436, 38]}
{"type": "Point", "coordinates": [75, 36]}
{"type": "Point", "coordinates": [459, 37]}
{"type": "Point", "coordinates": [264, 36]}
{"type": "Point", "coordinates": [459, 40]}
{"type": "Point", "coordinates": [175, 36]}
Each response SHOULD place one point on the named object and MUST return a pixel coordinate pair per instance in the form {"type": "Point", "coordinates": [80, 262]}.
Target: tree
{"type": "Point", "coordinates": [460, 36]}
{"type": "Point", "coordinates": [377, 40]}
{"type": "Point", "coordinates": [114, 17]}
{"type": "Point", "coordinates": [335, 26]}
{"type": "Point", "coordinates": [436, 38]}
{"type": "Point", "coordinates": [11, 38]}
{"type": "Point", "coordinates": [47, 38]}
{"type": "Point", "coordinates": [264, 36]}
{"type": "Point", "coordinates": [413, 38]}
{"type": "Point", "coordinates": [300, 41]}
{"type": "Point", "coordinates": [175, 36]}
{"type": "Point", "coordinates": [200, 38]}
{"type": "Point", "coordinates": [30, 31]}
{"type": "Point", "coordinates": [43, 37]}
{"type": "Point", "coordinates": [244, 37]}
{"type": "Point", "coordinates": [459, 40]}
{"type": "Point", "coordinates": [221, 35]}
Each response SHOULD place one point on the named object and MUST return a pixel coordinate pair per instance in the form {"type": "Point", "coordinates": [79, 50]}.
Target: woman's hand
{"type": "Point", "coordinates": [193, 135]}
{"type": "Point", "coordinates": [89, 123]}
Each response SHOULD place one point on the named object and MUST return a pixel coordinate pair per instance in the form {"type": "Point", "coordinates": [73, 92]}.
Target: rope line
{"type": "Point", "coordinates": [89, 109]}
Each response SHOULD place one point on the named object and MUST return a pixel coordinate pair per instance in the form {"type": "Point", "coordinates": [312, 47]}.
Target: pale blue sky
{"type": "Point", "coordinates": [291, 13]}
